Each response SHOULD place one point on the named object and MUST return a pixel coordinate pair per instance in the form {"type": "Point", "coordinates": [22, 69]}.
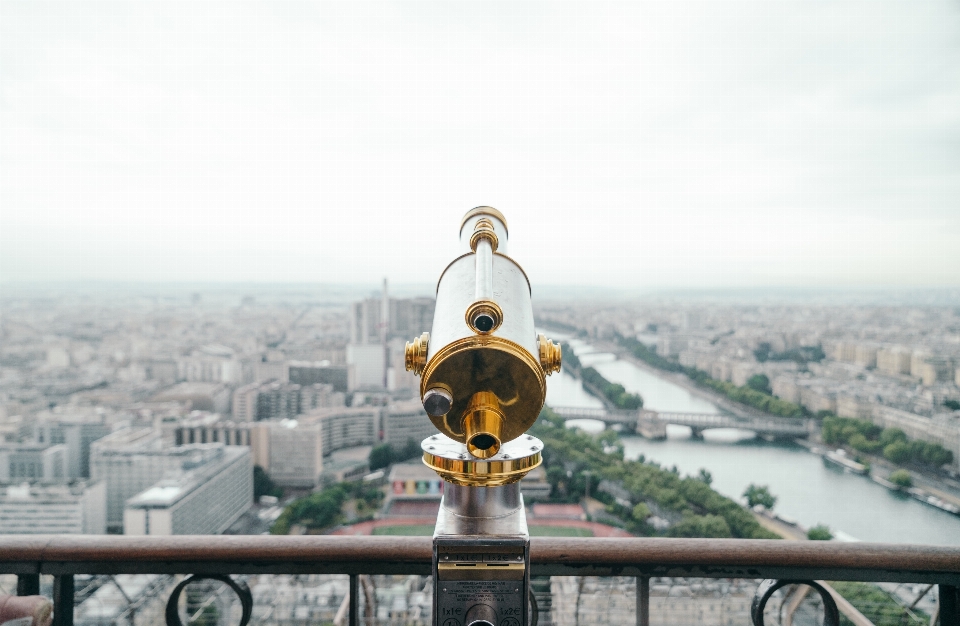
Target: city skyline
{"type": "Point", "coordinates": [645, 146]}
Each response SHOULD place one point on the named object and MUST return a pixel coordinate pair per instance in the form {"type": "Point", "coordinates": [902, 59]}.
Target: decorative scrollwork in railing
{"type": "Point", "coordinates": [831, 615]}
{"type": "Point", "coordinates": [239, 587]}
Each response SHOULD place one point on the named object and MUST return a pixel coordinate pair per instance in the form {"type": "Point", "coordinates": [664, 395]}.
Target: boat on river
{"type": "Point", "coordinates": [840, 459]}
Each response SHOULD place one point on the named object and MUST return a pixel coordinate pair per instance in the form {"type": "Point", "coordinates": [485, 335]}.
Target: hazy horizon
{"type": "Point", "coordinates": [632, 147]}
{"type": "Point", "coordinates": [549, 294]}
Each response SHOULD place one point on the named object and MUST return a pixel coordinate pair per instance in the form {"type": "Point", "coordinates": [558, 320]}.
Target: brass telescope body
{"type": "Point", "coordinates": [483, 368]}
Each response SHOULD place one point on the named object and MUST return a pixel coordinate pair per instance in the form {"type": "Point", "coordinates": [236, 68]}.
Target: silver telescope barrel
{"type": "Point", "coordinates": [483, 367]}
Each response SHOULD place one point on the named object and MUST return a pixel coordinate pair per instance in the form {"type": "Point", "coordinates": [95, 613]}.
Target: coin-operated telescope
{"type": "Point", "coordinates": [483, 372]}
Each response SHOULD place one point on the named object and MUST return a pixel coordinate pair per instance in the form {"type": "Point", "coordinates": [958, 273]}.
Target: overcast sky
{"type": "Point", "coordinates": [637, 145]}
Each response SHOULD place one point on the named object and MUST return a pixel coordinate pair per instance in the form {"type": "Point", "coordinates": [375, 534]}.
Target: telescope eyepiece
{"type": "Point", "coordinates": [483, 322]}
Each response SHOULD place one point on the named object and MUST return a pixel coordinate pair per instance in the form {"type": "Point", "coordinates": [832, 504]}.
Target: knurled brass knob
{"type": "Point", "coordinates": [550, 355]}
{"type": "Point", "coordinates": [415, 354]}
{"type": "Point", "coordinates": [483, 229]}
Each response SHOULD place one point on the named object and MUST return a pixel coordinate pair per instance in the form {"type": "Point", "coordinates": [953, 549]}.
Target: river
{"type": "Point", "coordinates": [807, 490]}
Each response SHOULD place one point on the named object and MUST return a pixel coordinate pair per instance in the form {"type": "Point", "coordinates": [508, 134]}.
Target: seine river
{"type": "Point", "coordinates": [854, 507]}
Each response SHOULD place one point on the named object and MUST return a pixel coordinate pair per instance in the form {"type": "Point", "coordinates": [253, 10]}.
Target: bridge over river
{"type": "Point", "coordinates": [653, 424]}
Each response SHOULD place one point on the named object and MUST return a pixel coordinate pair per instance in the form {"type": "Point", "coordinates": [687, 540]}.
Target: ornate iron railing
{"type": "Point", "coordinates": [218, 557]}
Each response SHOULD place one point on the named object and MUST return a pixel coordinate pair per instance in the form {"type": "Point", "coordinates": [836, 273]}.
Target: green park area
{"type": "Point", "coordinates": [423, 530]}
{"type": "Point", "coordinates": [571, 458]}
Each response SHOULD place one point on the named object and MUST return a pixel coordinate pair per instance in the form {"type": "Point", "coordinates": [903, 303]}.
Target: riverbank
{"type": "Point", "coordinates": [941, 488]}
{"type": "Point", "coordinates": [808, 490]}
{"type": "Point", "coordinates": [786, 531]}
{"type": "Point", "coordinates": [923, 485]}
{"type": "Point", "coordinates": [682, 380]}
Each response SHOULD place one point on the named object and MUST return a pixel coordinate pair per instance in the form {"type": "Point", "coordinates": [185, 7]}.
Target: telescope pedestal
{"type": "Point", "coordinates": [481, 557]}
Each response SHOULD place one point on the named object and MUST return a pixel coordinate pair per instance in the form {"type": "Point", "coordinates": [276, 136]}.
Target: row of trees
{"type": "Point", "coordinates": [748, 394]}
{"type": "Point", "coordinates": [649, 356]}
{"type": "Point", "coordinates": [803, 354]}
{"type": "Point", "coordinates": [325, 509]}
{"type": "Point", "coordinates": [575, 460]}
{"type": "Point", "coordinates": [570, 359]}
{"type": "Point", "coordinates": [614, 392]}
{"type": "Point", "coordinates": [892, 443]}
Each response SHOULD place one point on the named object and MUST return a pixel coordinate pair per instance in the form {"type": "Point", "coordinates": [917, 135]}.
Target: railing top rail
{"type": "Point", "coordinates": [716, 558]}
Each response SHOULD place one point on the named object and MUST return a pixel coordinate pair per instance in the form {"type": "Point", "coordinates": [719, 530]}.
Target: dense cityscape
{"type": "Point", "coordinates": [479, 313]}
{"type": "Point", "coordinates": [893, 366]}
{"type": "Point", "coordinates": [194, 413]}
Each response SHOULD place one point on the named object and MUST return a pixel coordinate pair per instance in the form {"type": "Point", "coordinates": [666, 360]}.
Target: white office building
{"type": "Point", "coordinates": [346, 427]}
{"type": "Point", "coordinates": [403, 421]}
{"type": "Point", "coordinates": [295, 456]}
{"type": "Point", "coordinates": [215, 489]}
{"type": "Point", "coordinates": [131, 461]}
{"type": "Point", "coordinates": [292, 451]}
{"type": "Point", "coordinates": [53, 509]}
{"type": "Point", "coordinates": [128, 461]}
{"type": "Point", "coordinates": [366, 366]}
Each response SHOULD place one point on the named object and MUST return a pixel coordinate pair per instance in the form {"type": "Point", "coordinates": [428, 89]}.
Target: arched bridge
{"type": "Point", "coordinates": [653, 423]}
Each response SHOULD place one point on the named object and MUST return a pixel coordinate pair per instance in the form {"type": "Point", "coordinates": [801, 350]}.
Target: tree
{"type": "Point", "coordinates": [820, 532]}
{"type": "Point", "coordinates": [263, 486]}
{"type": "Point", "coordinates": [760, 495]}
{"type": "Point", "coordinates": [712, 526]}
{"type": "Point", "coordinates": [861, 443]}
{"type": "Point", "coordinates": [641, 512]}
{"type": "Point", "coordinates": [953, 405]}
{"type": "Point", "coordinates": [937, 455]}
{"type": "Point", "coordinates": [901, 478]}
{"type": "Point", "coordinates": [411, 450]}
{"type": "Point", "coordinates": [892, 435]}
{"type": "Point", "coordinates": [705, 476]}
{"type": "Point", "coordinates": [760, 382]}
{"type": "Point", "coordinates": [381, 456]}
{"type": "Point", "coordinates": [897, 452]}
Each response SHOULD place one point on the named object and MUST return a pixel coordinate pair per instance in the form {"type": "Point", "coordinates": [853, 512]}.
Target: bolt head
{"type": "Point", "coordinates": [437, 402]}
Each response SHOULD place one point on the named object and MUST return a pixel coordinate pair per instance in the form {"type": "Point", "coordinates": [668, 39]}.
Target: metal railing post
{"type": "Point", "coordinates": [28, 585]}
{"type": "Point", "coordinates": [949, 606]}
{"type": "Point", "coordinates": [63, 600]}
{"type": "Point", "coordinates": [643, 601]}
{"type": "Point", "coordinates": [353, 619]}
